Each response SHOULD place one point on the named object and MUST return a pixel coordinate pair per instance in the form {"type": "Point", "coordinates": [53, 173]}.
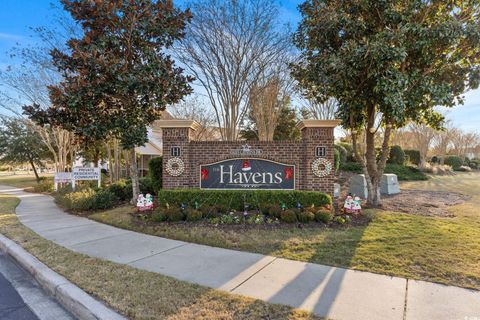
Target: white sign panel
{"type": "Point", "coordinates": [80, 173]}
{"type": "Point", "coordinates": [63, 177]}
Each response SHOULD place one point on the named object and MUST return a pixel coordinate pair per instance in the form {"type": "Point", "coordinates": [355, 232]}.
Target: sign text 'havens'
{"type": "Point", "coordinates": [247, 173]}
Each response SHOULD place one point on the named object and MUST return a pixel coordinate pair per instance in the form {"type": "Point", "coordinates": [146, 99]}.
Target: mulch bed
{"type": "Point", "coordinates": [421, 202]}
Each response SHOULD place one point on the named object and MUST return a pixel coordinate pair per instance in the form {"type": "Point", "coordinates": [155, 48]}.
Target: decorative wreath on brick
{"type": "Point", "coordinates": [175, 167]}
{"type": "Point", "coordinates": [321, 167]}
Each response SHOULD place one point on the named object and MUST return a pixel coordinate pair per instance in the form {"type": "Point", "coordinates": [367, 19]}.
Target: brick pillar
{"type": "Point", "coordinates": [177, 134]}
{"type": "Point", "coordinates": [317, 133]}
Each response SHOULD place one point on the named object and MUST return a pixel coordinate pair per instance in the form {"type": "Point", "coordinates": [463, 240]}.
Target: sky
{"type": "Point", "coordinates": [18, 16]}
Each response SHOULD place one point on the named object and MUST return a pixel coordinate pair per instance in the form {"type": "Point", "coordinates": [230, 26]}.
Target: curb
{"type": "Point", "coordinates": [71, 297]}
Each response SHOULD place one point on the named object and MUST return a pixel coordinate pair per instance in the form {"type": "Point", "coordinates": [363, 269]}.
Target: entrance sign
{"type": "Point", "coordinates": [61, 177]}
{"type": "Point", "coordinates": [247, 173]}
{"type": "Point", "coordinates": [80, 173]}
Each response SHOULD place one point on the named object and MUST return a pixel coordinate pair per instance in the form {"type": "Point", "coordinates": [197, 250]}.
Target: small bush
{"type": "Point", "coordinates": [405, 173]}
{"type": "Point", "coordinates": [122, 189]}
{"type": "Point", "coordinates": [103, 199]}
{"type": "Point", "coordinates": [87, 200]}
{"type": "Point", "coordinates": [275, 211]}
{"type": "Point", "coordinates": [159, 216]}
{"type": "Point", "coordinates": [324, 216]}
{"type": "Point", "coordinates": [208, 211]}
{"type": "Point", "coordinates": [342, 153]}
{"type": "Point", "coordinates": [349, 149]}
{"type": "Point", "coordinates": [305, 216]}
{"type": "Point", "coordinates": [43, 186]}
{"type": "Point", "coordinates": [397, 156]}
{"type": "Point", "coordinates": [413, 156]}
{"type": "Point", "coordinates": [155, 167]}
{"type": "Point", "coordinates": [193, 215]}
{"type": "Point", "coordinates": [340, 220]}
{"type": "Point", "coordinates": [352, 167]}
{"type": "Point", "coordinates": [336, 160]}
{"type": "Point", "coordinates": [435, 159]}
{"type": "Point", "coordinates": [173, 214]}
{"type": "Point", "coordinates": [288, 216]}
{"type": "Point", "coordinates": [454, 161]}
{"type": "Point", "coordinates": [147, 186]}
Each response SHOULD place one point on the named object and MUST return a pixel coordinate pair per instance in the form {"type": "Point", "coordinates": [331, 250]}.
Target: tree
{"type": "Point", "coordinates": [20, 143]}
{"type": "Point", "coordinates": [285, 129]}
{"type": "Point", "coordinates": [228, 47]}
{"type": "Point", "coordinates": [422, 138]}
{"type": "Point", "coordinates": [193, 108]}
{"type": "Point", "coordinates": [267, 101]}
{"type": "Point", "coordinates": [27, 83]}
{"type": "Point", "coordinates": [387, 63]}
{"type": "Point", "coordinates": [313, 109]}
{"type": "Point", "coordinates": [117, 76]}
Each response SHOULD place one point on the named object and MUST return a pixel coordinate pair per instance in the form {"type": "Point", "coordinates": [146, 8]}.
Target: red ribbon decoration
{"type": "Point", "coordinates": [288, 173]}
{"type": "Point", "coordinates": [204, 174]}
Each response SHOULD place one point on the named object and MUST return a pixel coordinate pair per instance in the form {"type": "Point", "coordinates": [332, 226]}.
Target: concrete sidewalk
{"type": "Point", "coordinates": [326, 291]}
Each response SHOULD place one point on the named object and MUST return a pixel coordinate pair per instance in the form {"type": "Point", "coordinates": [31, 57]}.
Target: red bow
{"type": "Point", "coordinates": [204, 174]}
{"type": "Point", "coordinates": [288, 173]}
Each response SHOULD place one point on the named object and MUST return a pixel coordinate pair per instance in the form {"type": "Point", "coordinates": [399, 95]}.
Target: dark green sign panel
{"type": "Point", "coordinates": [247, 173]}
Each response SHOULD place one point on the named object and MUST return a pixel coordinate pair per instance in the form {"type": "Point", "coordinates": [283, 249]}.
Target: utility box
{"type": "Point", "coordinates": [389, 184]}
{"type": "Point", "coordinates": [358, 186]}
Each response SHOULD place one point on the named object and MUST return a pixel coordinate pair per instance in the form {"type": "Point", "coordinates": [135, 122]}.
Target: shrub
{"type": "Point", "coordinates": [336, 160]}
{"type": "Point", "coordinates": [43, 186]}
{"type": "Point", "coordinates": [435, 159]}
{"type": "Point", "coordinates": [340, 220]}
{"type": "Point", "coordinates": [323, 215]}
{"type": "Point", "coordinates": [413, 156]}
{"type": "Point", "coordinates": [86, 200]}
{"type": "Point", "coordinates": [342, 153]}
{"type": "Point", "coordinates": [208, 211]}
{"type": "Point", "coordinates": [454, 161]}
{"type": "Point", "coordinates": [193, 215]}
{"type": "Point", "coordinates": [352, 167]}
{"type": "Point", "coordinates": [397, 156]}
{"type": "Point", "coordinates": [155, 167]}
{"type": "Point", "coordinates": [122, 189]}
{"type": "Point", "coordinates": [275, 211]}
{"type": "Point", "coordinates": [103, 199]}
{"type": "Point", "coordinates": [174, 214]}
{"type": "Point", "coordinates": [234, 199]}
{"type": "Point", "coordinates": [147, 186]}
{"type": "Point", "coordinates": [405, 173]}
{"type": "Point", "coordinates": [305, 216]}
{"type": "Point", "coordinates": [159, 216]}
{"type": "Point", "coordinates": [348, 148]}
{"type": "Point", "coordinates": [288, 216]}
{"type": "Point", "coordinates": [474, 164]}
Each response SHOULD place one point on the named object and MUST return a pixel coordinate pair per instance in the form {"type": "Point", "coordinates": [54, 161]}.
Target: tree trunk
{"type": "Point", "coordinates": [110, 162]}
{"type": "Point", "coordinates": [35, 171]}
{"type": "Point", "coordinates": [134, 176]}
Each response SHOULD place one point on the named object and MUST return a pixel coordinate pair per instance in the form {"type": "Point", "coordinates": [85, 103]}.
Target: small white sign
{"type": "Point", "coordinates": [63, 177]}
{"type": "Point", "coordinates": [80, 173]}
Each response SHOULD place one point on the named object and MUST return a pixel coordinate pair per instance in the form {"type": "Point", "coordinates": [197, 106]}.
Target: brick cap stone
{"type": "Point", "coordinates": [176, 123]}
{"type": "Point", "coordinates": [310, 123]}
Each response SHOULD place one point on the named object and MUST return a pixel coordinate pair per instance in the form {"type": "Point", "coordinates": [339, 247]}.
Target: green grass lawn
{"type": "Point", "coordinates": [21, 181]}
{"type": "Point", "coordinates": [445, 250]}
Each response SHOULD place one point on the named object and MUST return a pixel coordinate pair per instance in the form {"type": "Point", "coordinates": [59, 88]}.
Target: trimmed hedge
{"type": "Point", "coordinates": [87, 199]}
{"type": "Point", "coordinates": [454, 162]}
{"type": "Point", "coordinates": [405, 173]}
{"type": "Point", "coordinates": [235, 199]}
{"type": "Point", "coordinates": [413, 156]}
{"type": "Point", "coordinates": [397, 156]}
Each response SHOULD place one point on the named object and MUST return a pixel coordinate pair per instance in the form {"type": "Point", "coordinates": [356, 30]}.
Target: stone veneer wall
{"type": "Point", "coordinates": [300, 153]}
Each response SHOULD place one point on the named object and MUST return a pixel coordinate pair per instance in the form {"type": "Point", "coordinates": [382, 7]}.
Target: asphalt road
{"type": "Point", "coordinates": [21, 298]}
{"type": "Point", "coordinates": [12, 305]}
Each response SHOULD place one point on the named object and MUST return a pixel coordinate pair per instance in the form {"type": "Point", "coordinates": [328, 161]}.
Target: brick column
{"type": "Point", "coordinates": [317, 133]}
{"type": "Point", "coordinates": [177, 133]}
